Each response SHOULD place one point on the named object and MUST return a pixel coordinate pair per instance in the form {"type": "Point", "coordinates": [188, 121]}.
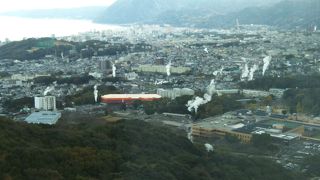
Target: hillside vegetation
{"type": "Point", "coordinates": [124, 150]}
{"type": "Point", "coordinates": [33, 49]}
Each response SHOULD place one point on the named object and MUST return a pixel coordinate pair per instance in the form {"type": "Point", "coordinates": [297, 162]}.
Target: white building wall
{"type": "Point", "coordinates": [174, 93]}
{"type": "Point", "coordinates": [45, 103]}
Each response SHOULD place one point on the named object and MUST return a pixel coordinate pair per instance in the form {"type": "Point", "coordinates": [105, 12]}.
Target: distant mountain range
{"type": "Point", "coordinates": [299, 14]}
{"type": "Point", "coordinates": [214, 14]}
{"type": "Point", "coordinates": [172, 11]}
{"type": "Point", "coordinates": [196, 13]}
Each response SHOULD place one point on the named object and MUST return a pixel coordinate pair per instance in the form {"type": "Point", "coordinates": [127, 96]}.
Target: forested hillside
{"type": "Point", "coordinates": [125, 150]}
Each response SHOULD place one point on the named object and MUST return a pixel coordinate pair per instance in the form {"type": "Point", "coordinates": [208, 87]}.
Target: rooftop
{"type": "Point", "coordinates": [289, 125]}
{"type": "Point", "coordinates": [130, 96]}
{"type": "Point", "coordinates": [226, 122]}
{"type": "Point", "coordinates": [284, 136]}
{"type": "Point", "coordinates": [43, 117]}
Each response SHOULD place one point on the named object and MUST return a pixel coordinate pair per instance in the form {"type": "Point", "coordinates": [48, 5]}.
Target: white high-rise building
{"type": "Point", "coordinates": [47, 103]}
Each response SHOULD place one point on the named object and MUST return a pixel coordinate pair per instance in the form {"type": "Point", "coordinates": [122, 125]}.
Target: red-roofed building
{"type": "Point", "coordinates": [128, 98]}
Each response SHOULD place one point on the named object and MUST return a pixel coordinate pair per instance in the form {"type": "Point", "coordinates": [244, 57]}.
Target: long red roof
{"type": "Point", "coordinates": [129, 97]}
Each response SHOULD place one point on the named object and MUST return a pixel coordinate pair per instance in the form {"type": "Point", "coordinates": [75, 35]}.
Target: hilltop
{"type": "Point", "coordinates": [32, 48]}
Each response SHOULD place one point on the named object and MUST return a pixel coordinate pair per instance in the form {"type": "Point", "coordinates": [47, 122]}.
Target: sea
{"type": "Point", "coordinates": [18, 28]}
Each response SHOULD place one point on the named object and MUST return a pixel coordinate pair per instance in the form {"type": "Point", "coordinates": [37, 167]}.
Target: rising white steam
{"type": "Point", "coordinates": [206, 50]}
{"type": "Point", "coordinates": [266, 64]}
{"type": "Point", "coordinates": [245, 71]}
{"type": "Point", "coordinates": [190, 137]}
{"type": "Point", "coordinates": [114, 69]}
{"type": "Point", "coordinates": [168, 68]}
{"type": "Point", "coordinates": [208, 147]}
{"type": "Point", "coordinates": [252, 71]}
{"type": "Point", "coordinates": [193, 105]}
{"type": "Point", "coordinates": [47, 90]}
{"type": "Point", "coordinates": [95, 93]}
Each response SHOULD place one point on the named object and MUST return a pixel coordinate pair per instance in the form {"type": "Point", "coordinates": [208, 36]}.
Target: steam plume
{"type": "Point", "coordinates": [252, 71]}
{"type": "Point", "coordinates": [190, 137]}
{"type": "Point", "coordinates": [168, 67]}
{"type": "Point", "coordinates": [47, 90]}
{"type": "Point", "coordinates": [266, 64]}
{"type": "Point", "coordinates": [245, 71]}
{"type": "Point", "coordinates": [95, 93]}
{"type": "Point", "coordinates": [208, 147]}
{"type": "Point", "coordinates": [206, 50]}
{"type": "Point", "coordinates": [114, 68]}
{"type": "Point", "coordinates": [198, 101]}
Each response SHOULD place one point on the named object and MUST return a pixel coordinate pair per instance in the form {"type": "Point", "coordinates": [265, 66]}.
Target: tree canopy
{"type": "Point", "coordinates": [128, 149]}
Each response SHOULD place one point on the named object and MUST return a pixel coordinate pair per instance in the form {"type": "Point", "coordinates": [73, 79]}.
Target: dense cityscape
{"type": "Point", "coordinates": [248, 92]}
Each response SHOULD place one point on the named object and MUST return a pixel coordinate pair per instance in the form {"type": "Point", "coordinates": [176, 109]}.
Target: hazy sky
{"type": "Point", "coordinates": [13, 5]}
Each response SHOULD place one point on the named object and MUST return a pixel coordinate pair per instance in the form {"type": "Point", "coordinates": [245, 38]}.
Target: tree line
{"type": "Point", "coordinates": [217, 106]}
{"type": "Point", "coordinates": [297, 81]}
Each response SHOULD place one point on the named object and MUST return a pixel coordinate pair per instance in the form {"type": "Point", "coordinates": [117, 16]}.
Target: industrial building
{"type": "Point", "coordinates": [174, 93]}
{"type": "Point", "coordinates": [46, 103]}
{"type": "Point", "coordinates": [227, 91]}
{"type": "Point", "coordinates": [255, 93]}
{"type": "Point", "coordinates": [128, 98]}
{"type": "Point", "coordinates": [278, 93]}
{"type": "Point", "coordinates": [245, 126]}
{"type": "Point", "coordinates": [161, 69]}
{"type": "Point", "coordinates": [220, 127]}
{"type": "Point", "coordinates": [43, 117]}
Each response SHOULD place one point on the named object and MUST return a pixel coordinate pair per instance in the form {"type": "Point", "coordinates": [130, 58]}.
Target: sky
{"type": "Point", "coordinates": [15, 5]}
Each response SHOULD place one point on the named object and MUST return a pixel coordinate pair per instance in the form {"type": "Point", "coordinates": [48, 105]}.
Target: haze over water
{"type": "Point", "coordinates": [17, 28]}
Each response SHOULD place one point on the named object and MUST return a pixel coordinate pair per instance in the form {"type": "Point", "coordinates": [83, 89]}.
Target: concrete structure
{"type": "Point", "coordinates": [174, 93]}
{"type": "Point", "coordinates": [278, 93]}
{"type": "Point", "coordinates": [282, 136]}
{"type": "Point", "coordinates": [43, 117]}
{"type": "Point", "coordinates": [46, 103]}
{"type": "Point", "coordinates": [255, 93]}
{"type": "Point", "coordinates": [128, 98]}
{"type": "Point", "coordinates": [227, 91]}
{"type": "Point", "coordinates": [161, 69]}
{"type": "Point", "coordinates": [26, 77]}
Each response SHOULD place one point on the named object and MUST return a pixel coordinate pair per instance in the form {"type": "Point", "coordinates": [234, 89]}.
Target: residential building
{"type": "Point", "coordinates": [47, 103]}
